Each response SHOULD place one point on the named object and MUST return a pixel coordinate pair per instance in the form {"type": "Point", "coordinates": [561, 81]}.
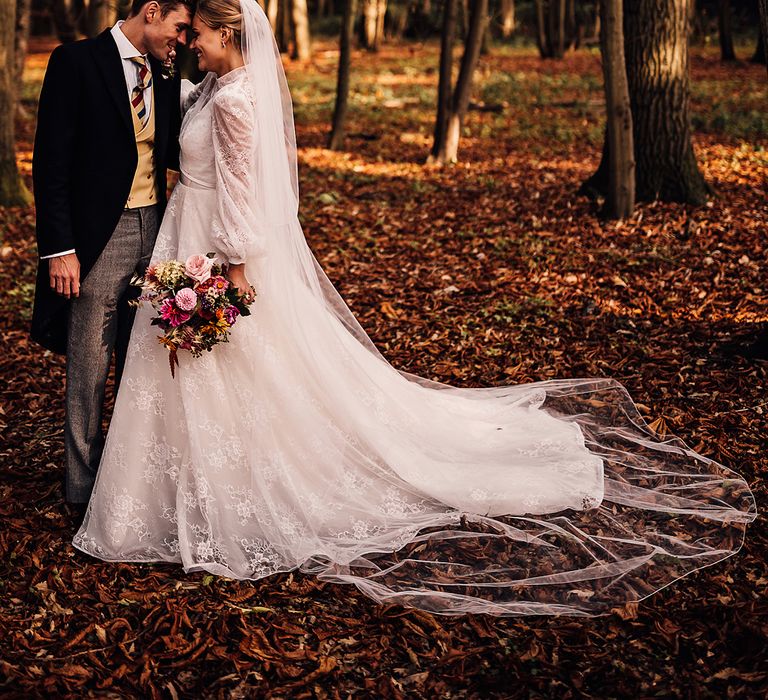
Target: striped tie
{"type": "Point", "coordinates": [137, 96]}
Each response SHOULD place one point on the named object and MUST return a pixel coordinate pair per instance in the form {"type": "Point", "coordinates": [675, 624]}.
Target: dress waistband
{"type": "Point", "coordinates": [188, 181]}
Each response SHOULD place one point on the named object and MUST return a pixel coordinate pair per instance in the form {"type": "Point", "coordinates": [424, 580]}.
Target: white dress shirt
{"type": "Point", "coordinates": [127, 51]}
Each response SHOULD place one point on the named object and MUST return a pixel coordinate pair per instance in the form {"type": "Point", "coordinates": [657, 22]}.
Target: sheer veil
{"type": "Point", "coordinates": [547, 498]}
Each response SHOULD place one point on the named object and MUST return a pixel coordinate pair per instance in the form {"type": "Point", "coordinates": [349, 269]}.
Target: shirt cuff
{"type": "Point", "coordinates": [57, 255]}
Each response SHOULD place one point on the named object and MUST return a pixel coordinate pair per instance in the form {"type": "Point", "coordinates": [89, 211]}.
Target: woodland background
{"type": "Point", "coordinates": [470, 227]}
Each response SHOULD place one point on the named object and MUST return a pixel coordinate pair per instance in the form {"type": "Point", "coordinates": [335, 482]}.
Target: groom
{"type": "Point", "coordinates": [107, 129]}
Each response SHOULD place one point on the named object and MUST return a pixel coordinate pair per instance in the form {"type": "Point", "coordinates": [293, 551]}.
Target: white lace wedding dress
{"type": "Point", "coordinates": [297, 445]}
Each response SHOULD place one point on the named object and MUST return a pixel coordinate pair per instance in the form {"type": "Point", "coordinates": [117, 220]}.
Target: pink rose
{"type": "Point", "coordinates": [186, 299]}
{"type": "Point", "coordinates": [198, 267]}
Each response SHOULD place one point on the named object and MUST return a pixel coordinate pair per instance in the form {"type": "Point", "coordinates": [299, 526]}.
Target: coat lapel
{"type": "Point", "coordinates": [111, 65]}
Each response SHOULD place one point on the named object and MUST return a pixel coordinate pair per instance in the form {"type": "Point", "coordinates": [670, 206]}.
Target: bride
{"type": "Point", "coordinates": [298, 446]}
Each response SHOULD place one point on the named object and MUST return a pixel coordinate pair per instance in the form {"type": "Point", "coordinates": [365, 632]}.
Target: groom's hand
{"type": "Point", "coordinates": [64, 274]}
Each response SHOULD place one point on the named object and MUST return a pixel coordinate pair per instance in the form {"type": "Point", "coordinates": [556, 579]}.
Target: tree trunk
{"type": "Point", "coordinates": [100, 15]}
{"type": "Point", "coordinates": [478, 20]}
{"type": "Point", "coordinates": [373, 23]}
{"type": "Point", "coordinates": [66, 14]}
{"type": "Point", "coordinates": [656, 48]}
{"type": "Point", "coordinates": [282, 24]}
{"type": "Point", "coordinates": [12, 189]}
{"type": "Point", "coordinates": [325, 8]}
{"type": "Point", "coordinates": [621, 168]}
{"type": "Point", "coordinates": [23, 9]}
{"type": "Point", "coordinates": [763, 4]}
{"type": "Point", "coordinates": [551, 23]}
{"type": "Point", "coordinates": [444, 87]}
{"type": "Point", "coordinates": [302, 45]}
{"type": "Point", "coordinates": [273, 9]}
{"type": "Point", "coordinates": [21, 40]}
{"type": "Point", "coordinates": [656, 41]}
{"type": "Point", "coordinates": [726, 35]}
{"type": "Point", "coordinates": [596, 26]}
{"type": "Point", "coordinates": [557, 16]}
{"type": "Point", "coordinates": [508, 24]}
{"type": "Point", "coordinates": [571, 30]}
{"type": "Point", "coordinates": [336, 138]}
{"type": "Point", "coordinates": [541, 30]}
{"type": "Point", "coordinates": [759, 55]}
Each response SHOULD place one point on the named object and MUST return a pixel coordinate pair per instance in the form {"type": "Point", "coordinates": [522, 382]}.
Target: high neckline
{"type": "Point", "coordinates": [231, 76]}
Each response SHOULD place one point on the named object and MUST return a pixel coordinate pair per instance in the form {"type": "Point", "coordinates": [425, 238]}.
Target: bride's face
{"type": "Point", "coordinates": [206, 43]}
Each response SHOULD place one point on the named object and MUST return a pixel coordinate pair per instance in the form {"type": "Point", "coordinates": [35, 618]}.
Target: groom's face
{"type": "Point", "coordinates": [162, 34]}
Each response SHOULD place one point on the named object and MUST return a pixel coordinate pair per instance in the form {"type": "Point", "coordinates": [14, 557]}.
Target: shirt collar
{"type": "Point", "coordinates": [124, 46]}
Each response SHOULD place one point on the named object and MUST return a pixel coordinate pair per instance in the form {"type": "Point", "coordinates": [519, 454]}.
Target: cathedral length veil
{"type": "Point", "coordinates": [553, 497]}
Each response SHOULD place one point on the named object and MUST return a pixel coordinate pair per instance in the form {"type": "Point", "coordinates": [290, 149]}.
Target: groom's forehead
{"type": "Point", "coordinates": [180, 15]}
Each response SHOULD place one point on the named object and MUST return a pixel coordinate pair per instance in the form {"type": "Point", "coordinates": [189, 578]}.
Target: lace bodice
{"type": "Point", "coordinates": [218, 140]}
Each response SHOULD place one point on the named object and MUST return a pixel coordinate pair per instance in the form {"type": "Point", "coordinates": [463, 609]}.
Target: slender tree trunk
{"type": "Point", "coordinates": [596, 26]}
{"type": "Point", "coordinates": [12, 189]}
{"type": "Point", "coordinates": [273, 9]}
{"type": "Point", "coordinates": [508, 24]}
{"type": "Point", "coordinates": [621, 178]}
{"type": "Point", "coordinates": [759, 55]}
{"type": "Point", "coordinates": [478, 21]}
{"type": "Point", "coordinates": [444, 87]}
{"type": "Point", "coordinates": [763, 4]}
{"type": "Point", "coordinates": [23, 18]}
{"type": "Point", "coordinates": [541, 30]}
{"type": "Point", "coordinates": [282, 30]}
{"type": "Point", "coordinates": [571, 30]}
{"type": "Point", "coordinates": [302, 45]}
{"type": "Point", "coordinates": [380, 17]}
{"type": "Point", "coordinates": [66, 14]}
{"type": "Point", "coordinates": [100, 14]}
{"type": "Point", "coordinates": [373, 23]}
{"type": "Point", "coordinates": [336, 137]}
{"type": "Point", "coordinates": [726, 35]}
{"type": "Point", "coordinates": [551, 25]}
{"type": "Point", "coordinates": [23, 9]}
{"type": "Point", "coordinates": [557, 17]}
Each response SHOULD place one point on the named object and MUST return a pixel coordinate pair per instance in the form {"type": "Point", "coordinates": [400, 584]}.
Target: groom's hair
{"type": "Point", "coordinates": [166, 6]}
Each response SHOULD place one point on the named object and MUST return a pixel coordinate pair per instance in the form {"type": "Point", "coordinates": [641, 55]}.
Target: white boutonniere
{"type": "Point", "coordinates": [169, 65]}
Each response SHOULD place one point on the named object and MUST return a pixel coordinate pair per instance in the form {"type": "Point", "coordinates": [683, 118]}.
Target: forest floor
{"type": "Point", "coordinates": [487, 273]}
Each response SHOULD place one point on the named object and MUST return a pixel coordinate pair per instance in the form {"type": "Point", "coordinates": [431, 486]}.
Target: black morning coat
{"type": "Point", "coordinates": [84, 161]}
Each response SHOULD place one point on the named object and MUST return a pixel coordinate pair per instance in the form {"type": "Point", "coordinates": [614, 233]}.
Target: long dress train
{"type": "Point", "coordinates": [298, 446]}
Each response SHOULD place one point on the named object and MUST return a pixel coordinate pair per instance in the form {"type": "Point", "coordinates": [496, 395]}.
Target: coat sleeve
{"type": "Point", "coordinates": [54, 153]}
{"type": "Point", "coordinates": [235, 226]}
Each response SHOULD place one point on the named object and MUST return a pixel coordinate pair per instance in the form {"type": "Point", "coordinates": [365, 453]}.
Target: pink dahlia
{"type": "Point", "coordinates": [186, 299]}
{"type": "Point", "coordinates": [173, 314]}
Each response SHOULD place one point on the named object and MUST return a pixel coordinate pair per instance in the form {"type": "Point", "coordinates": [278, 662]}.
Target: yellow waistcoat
{"type": "Point", "coordinates": [144, 187]}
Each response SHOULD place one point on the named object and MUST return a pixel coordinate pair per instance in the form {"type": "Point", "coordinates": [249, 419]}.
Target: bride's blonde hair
{"type": "Point", "coordinates": [222, 13]}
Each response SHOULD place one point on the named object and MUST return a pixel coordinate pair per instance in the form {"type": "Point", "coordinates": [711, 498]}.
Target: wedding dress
{"type": "Point", "coordinates": [298, 446]}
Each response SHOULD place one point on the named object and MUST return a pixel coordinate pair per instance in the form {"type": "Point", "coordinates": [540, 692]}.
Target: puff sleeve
{"type": "Point", "coordinates": [235, 227]}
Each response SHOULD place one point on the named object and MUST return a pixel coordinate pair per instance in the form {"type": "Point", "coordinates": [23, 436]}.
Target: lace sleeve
{"type": "Point", "coordinates": [235, 224]}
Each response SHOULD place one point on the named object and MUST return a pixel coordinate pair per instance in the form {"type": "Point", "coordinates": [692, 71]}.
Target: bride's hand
{"type": "Point", "coordinates": [237, 278]}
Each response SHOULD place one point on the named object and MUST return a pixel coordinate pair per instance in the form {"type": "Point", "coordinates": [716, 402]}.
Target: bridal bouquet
{"type": "Point", "coordinates": [195, 302]}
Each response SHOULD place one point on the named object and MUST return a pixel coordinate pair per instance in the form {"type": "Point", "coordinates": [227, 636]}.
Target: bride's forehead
{"type": "Point", "coordinates": [198, 25]}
